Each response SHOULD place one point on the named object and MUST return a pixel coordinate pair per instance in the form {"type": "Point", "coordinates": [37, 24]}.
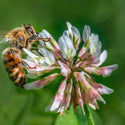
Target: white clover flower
{"type": "Point", "coordinates": [95, 44]}
{"type": "Point", "coordinates": [78, 86]}
{"type": "Point", "coordinates": [48, 55]}
{"type": "Point", "coordinates": [50, 45]}
{"type": "Point", "coordinates": [66, 46]}
{"type": "Point", "coordinates": [86, 33]}
{"type": "Point", "coordinates": [74, 34]}
{"type": "Point", "coordinates": [91, 41]}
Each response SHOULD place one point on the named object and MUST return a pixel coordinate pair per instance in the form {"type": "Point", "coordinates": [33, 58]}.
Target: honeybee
{"type": "Point", "coordinates": [19, 38]}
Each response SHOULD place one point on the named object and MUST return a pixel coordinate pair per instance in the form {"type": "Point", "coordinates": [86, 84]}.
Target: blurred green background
{"type": "Point", "coordinates": [105, 17]}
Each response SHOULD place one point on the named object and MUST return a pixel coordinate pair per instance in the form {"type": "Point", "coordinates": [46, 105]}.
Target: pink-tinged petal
{"type": "Point", "coordinates": [56, 55]}
{"type": "Point", "coordinates": [81, 78]}
{"type": "Point", "coordinates": [82, 52]}
{"type": "Point", "coordinates": [55, 45]}
{"type": "Point", "coordinates": [102, 89]}
{"type": "Point", "coordinates": [83, 64]}
{"type": "Point", "coordinates": [68, 95]}
{"type": "Point", "coordinates": [90, 69]}
{"type": "Point", "coordinates": [35, 68]}
{"type": "Point", "coordinates": [104, 71]}
{"type": "Point", "coordinates": [66, 100]}
{"type": "Point", "coordinates": [91, 95]}
{"type": "Point", "coordinates": [79, 98]}
{"type": "Point", "coordinates": [41, 70]}
{"type": "Point", "coordinates": [41, 83]}
{"type": "Point", "coordinates": [73, 100]}
{"type": "Point", "coordinates": [93, 104]}
{"type": "Point", "coordinates": [84, 56]}
{"type": "Point", "coordinates": [58, 98]}
{"type": "Point", "coordinates": [64, 69]}
{"type": "Point", "coordinates": [94, 59]}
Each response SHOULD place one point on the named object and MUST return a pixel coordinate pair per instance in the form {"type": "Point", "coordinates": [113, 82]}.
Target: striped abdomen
{"type": "Point", "coordinates": [12, 60]}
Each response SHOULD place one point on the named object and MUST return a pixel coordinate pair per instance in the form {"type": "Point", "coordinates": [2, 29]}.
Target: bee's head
{"type": "Point", "coordinates": [29, 29]}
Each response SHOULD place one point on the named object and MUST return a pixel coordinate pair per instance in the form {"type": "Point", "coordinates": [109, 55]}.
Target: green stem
{"type": "Point", "coordinates": [89, 115]}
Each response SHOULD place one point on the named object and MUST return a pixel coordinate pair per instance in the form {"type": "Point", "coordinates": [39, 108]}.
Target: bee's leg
{"type": "Point", "coordinates": [26, 66]}
{"type": "Point", "coordinates": [43, 39]}
{"type": "Point", "coordinates": [29, 40]}
{"type": "Point", "coordinates": [34, 45]}
{"type": "Point", "coordinates": [35, 49]}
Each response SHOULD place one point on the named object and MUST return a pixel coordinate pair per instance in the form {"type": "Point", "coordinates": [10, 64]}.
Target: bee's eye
{"type": "Point", "coordinates": [29, 30]}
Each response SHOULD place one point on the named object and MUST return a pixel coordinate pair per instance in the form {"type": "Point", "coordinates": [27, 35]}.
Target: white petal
{"type": "Point", "coordinates": [86, 33]}
{"type": "Point", "coordinates": [104, 90]}
{"type": "Point", "coordinates": [76, 32]}
{"type": "Point", "coordinates": [48, 54]}
{"type": "Point", "coordinates": [36, 53]}
{"type": "Point", "coordinates": [33, 56]}
{"type": "Point", "coordinates": [29, 63]}
{"type": "Point", "coordinates": [54, 106]}
{"type": "Point", "coordinates": [29, 53]}
{"type": "Point", "coordinates": [42, 44]}
{"type": "Point", "coordinates": [92, 106]}
{"type": "Point", "coordinates": [67, 41]}
{"type": "Point", "coordinates": [69, 26]}
{"type": "Point", "coordinates": [61, 109]}
{"type": "Point", "coordinates": [101, 99]}
{"type": "Point", "coordinates": [66, 46]}
{"type": "Point", "coordinates": [45, 34]}
{"type": "Point", "coordinates": [102, 58]}
{"type": "Point", "coordinates": [63, 47]}
{"type": "Point", "coordinates": [95, 44]}
{"type": "Point", "coordinates": [109, 69]}
{"type": "Point", "coordinates": [66, 33]}
{"type": "Point", "coordinates": [42, 34]}
{"type": "Point", "coordinates": [58, 98]}
{"type": "Point", "coordinates": [73, 30]}
{"type": "Point", "coordinates": [32, 85]}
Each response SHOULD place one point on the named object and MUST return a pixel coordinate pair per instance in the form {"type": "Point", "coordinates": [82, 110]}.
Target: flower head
{"type": "Point", "coordinates": [78, 87]}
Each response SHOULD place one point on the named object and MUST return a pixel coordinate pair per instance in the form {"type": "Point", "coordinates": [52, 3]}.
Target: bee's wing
{"type": "Point", "coordinates": [2, 35]}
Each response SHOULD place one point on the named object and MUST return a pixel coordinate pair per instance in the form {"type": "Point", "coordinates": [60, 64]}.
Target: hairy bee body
{"type": "Point", "coordinates": [18, 38]}
{"type": "Point", "coordinates": [22, 37]}
{"type": "Point", "coordinates": [12, 61]}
